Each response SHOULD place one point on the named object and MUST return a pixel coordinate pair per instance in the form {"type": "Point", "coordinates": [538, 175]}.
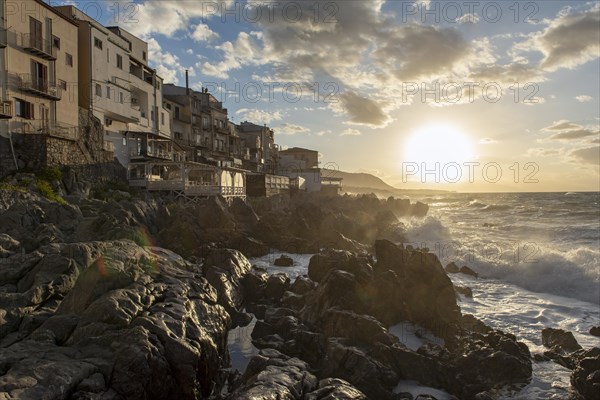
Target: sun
{"type": "Point", "coordinates": [438, 143]}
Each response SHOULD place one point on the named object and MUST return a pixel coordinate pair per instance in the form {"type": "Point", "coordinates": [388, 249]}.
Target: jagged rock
{"type": "Point", "coordinates": [329, 259]}
{"type": "Point", "coordinates": [420, 291]}
{"type": "Point", "coordinates": [272, 375]}
{"type": "Point", "coordinates": [277, 284]}
{"type": "Point", "coordinates": [353, 364]}
{"type": "Point", "coordinates": [595, 331]}
{"type": "Point", "coordinates": [586, 376]}
{"type": "Point", "coordinates": [468, 271]}
{"type": "Point", "coordinates": [225, 269]}
{"type": "Point", "coordinates": [452, 268]}
{"type": "Point", "coordinates": [139, 317]}
{"type": "Point", "coordinates": [302, 285]}
{"type": "Point", "coordinates": [335, 389]}
{"type": "Point", "coordinates": [560, 340]}
{"type": "Point", "coordinates": [255, 284]}
{"type": "Point", "coordinates": [284, 261]}
{"type": "Point", "coordinates": [465, 291]}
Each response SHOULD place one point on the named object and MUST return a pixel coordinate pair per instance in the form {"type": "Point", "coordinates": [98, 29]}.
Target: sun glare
{"type": "Point", "coordinates": [441, 143]}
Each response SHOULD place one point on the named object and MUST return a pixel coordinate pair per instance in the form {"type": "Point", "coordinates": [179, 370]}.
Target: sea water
{"type": "Point", "coordinates": [538, 256]}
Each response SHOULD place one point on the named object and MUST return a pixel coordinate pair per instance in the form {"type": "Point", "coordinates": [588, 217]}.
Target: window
{"type": "Point", "coordinates": [119, 61]}
{"type": "Point", "coordinates": [35, 31]}
{"type": "Point", "coordinates": [178, 135]}
{"type": "Point", "coordinates": [56, 42]}
{"type": "Point", "coordinates": [152, 115]}
{"type": "Point", "coordinates": [124, 142]}
{"type": "Point", "coordinates": [97, 43]}
{"type": "Point", "coordinates": [162, 118]}
{"type": "Point", "coordinates": [98, 90]}
{"type": "Point", "coordinates": [24, 109]}
{"type": "Point", "coordinates": [168, 106]}
{"type": "Point", "coordinates": [205, 122]}
{"type": "Point", "coordinates": [121, 97]}
{"type": "Point", "coordinates": [144, 55]}
{"type": "Point", "coordinates": [107, 55]}
{"type": "Point", "coordinates": [69, 59]}
{"type": "Point", "coordinates": [176, 112]}
{"type": "Point", "coordinates": [39, 75]}
{"type": "Point", "coordinates": [62, 84]}
{"type": "Point", "coordinates": [108, 92]}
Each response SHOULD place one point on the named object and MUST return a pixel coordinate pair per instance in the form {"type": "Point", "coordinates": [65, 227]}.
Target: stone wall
{"type": "Point", "coordinates": [86, 155]}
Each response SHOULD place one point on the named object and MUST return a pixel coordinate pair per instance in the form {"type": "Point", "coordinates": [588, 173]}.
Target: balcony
{"type": "Point", "coordinates": [39, 46]}
{"type": "Point", "coordinates": [36, 86]}
{"type": "Point", "coordinates": [45, 127]}
{"type": "Point", "coordinates": [6, 110]}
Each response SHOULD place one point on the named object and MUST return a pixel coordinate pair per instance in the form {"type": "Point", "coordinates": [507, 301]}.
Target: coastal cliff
{"type": "Point", "coordinates": [106, 294]}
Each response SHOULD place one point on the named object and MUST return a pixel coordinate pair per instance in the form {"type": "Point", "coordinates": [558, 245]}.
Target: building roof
{"type": "Point", "coordinates": [298, 150]}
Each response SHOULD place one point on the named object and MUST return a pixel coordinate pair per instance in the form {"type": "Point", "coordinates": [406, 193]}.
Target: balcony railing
{"type": "Point", "coordinates": [39, 46]}
{"type": "Point", "coordinates": [39, 87]}
{"type": "Point", "coordinates": [45, 127]}
{"type": "Point", "coordinates": [5, 109]}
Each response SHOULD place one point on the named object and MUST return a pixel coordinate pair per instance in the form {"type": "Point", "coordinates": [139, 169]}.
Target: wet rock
{"type": "Point", "coordinates": [595, 331]}
{"type": "Point", "coordinates": [586, 376]}
{"type": "Point", "coordinates": [422, 288]}
{"type": "Point", "coordinates": [329, 259]}
{"type": "Point", "coordinates": [225, 270]}
{"type": "Point", "coordinates": [277, 284]}
{"type": "Point", "coordinates": [110, 317]}
{"type": "Point", "coordinates": [335, 389]}
{"type": "Point", "coordinates": [302, 285]}
{"type": "Point", "coordinates": [255, 284]}
{"type": "Point", "coordinates": [452, 268]}
{"type": "Point", "coordinates": [468, 271]}
{"type": "Point", "coordinates": [353, 364]}
{"type": "Point", "coordinates": [464, 290]}
{"type": "Point", "coordinates": [277, 376]}
{"type": "Point", "coordinates": [560, 340]}
{"type": "Point", "coordinates": [284, 261]}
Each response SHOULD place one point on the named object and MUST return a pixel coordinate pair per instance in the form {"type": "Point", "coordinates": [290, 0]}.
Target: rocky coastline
{"type": "Point", "coordinates": [107, 294]}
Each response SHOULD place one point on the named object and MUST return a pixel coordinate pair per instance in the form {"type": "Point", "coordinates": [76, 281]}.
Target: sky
{"type": "Point", "coordinates": [466, 95]}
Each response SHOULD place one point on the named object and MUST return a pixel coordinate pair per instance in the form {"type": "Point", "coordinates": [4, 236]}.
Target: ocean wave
{"type": "Point", "coordinates": [543, 269]}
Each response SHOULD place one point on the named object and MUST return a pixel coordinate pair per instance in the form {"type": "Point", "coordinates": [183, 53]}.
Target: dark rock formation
{"type": "Point", "coordinates": [284, 261]}
{"type": "Point", "coordinates": [110, 318]}
{"type": "Point", "coordinates": [468, 271]}
{"type": "Point", "coordinates": [559, 340]}
{"type": "Point", "coordinates": [586, 376]}
{"type": "Point", "coordinates": [595, 331]}
{"type": "Point", "coordinates": [452, 268]}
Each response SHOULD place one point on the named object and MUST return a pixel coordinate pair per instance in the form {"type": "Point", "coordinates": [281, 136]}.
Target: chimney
{"type": "Point", "coordinates": [187, 82]}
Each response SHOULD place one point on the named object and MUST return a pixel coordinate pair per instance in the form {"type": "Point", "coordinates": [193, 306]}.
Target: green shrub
{"type": "Point", "coordinates": [49, 174]}
{"type": "Point", "coordinates": [46, 190]}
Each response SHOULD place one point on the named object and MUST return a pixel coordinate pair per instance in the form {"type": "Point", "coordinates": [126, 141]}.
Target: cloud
{"type": "Point", "coordinates": [325, 132]}
{"type": "Point", "coordinates": [166, 17]}
{"type": "Point", "coordinates": [570, 40]}
{"type": "Point", "coordinates": [362, 110]}
{"type": "Point", "coordinates": [351, 132]}
{"type": "Point", "coordinates": [488, 141]}
{"type": "Point", "coordinates": [259, 116]}
{"type": "Point", "coordinates": [562, 125]}
{"type": "Point", "coordinates": [291, 129]}
{"type": "Point", "coordinates": [588, 155]}
{"type": "Point", "coordinates": [167, 64]}
{"type": "Point", "coordinates": [468, 18]}
{"type": "Point", "coordinates": [202, 33]}
{"type": "Point", "coordinates": [574, 134]}
{"type": "Point", "coordinates": [567, 130]}
{"type": "Point", "coordinates": [542, 152]}
{"type": "Point", "coordinates": [584, 98]}
{"type": "Point", "coordinates": [244, 51]}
